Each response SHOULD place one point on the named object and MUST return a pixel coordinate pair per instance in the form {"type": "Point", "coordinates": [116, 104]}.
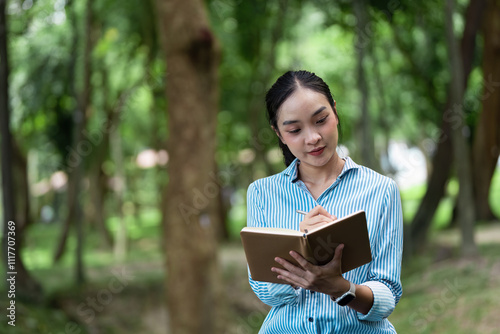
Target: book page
{"type": "Point", "coordinates": [333, 222]}
{"type": "Point", "coordinates": [272, 230]}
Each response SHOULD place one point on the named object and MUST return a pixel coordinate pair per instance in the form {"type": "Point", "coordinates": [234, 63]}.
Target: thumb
{"type": "Point", "coordinates": [337, 257]}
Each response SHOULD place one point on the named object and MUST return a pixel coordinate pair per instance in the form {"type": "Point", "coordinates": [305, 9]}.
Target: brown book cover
{"type": "Point", "coordinates": [263, 244]}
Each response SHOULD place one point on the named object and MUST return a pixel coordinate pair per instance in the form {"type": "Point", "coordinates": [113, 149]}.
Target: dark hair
{"type": "Point", "coordinates": [283, 88]}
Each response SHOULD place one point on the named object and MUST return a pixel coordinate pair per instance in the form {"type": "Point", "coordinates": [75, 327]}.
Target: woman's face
{"type": "Point", "coordinates": [307, 124]}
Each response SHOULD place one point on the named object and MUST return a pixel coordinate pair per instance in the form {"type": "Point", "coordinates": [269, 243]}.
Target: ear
{"type": "Point", "coordinates": [335, 111]}
{"type": "Point", "coordinates": [278, 134]}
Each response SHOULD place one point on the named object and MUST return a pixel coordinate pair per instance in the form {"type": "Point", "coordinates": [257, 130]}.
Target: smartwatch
{"type": "Point", "coordinates": [347, 297]}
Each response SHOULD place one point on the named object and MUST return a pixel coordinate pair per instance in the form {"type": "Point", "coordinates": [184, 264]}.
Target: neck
{"type": "Point", "coordinates": [323, 174]}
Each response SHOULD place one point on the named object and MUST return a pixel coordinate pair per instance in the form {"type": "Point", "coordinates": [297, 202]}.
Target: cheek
{"type": "Point", "coordinates": [332, 128]}
{"type": "Point", "coordinates": [287, 138]}
{"type": "Point", "coordinates": [292, 140]}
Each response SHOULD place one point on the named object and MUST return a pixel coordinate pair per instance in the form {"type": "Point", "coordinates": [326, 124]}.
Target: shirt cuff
{"type": "Point", "coordinates": [383, 302]}
{"type": "Point", "coordinates": [283, 292]}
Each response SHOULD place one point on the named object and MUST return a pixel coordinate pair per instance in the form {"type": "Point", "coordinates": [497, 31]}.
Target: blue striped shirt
{"type": "Point", "coordinates": [272, 201]}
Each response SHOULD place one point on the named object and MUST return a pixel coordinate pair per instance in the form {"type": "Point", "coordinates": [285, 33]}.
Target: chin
{"type": "Point", "coordinates": [323, 161]}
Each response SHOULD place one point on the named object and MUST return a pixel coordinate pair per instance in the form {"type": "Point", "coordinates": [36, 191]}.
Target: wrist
{"type": "Point", "coordinates": [347, 297]}
{"type": "Point", "coordinates": [340, 289]}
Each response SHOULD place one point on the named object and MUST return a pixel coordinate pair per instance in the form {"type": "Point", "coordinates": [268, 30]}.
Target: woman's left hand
{"type": "Point", "coordinates": [326, 279]}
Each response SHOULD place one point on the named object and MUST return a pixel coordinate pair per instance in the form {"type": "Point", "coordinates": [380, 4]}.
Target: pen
{"type": "Point", "coordinates": [302, 213]}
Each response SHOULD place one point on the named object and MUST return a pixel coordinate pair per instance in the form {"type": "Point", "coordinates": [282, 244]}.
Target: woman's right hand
{"type": "Point", "coordinates": [315, 218]}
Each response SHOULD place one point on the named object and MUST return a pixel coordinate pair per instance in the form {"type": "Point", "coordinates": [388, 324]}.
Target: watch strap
{"type": "Point", "coordinates": [347, 297]}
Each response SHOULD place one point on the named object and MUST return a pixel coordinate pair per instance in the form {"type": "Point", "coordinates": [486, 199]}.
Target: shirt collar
{"type": "Point", "coordinates": [293, 169]}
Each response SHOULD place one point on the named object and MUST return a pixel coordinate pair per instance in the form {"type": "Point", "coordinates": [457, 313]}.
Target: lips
{"type": "Point", "coordinates": [317, 151]}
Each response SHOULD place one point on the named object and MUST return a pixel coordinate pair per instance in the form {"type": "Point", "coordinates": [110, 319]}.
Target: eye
{"type": "Point", "coordinates": [322, 120]}
{"type": "Point", "coordinates": [294, 131]}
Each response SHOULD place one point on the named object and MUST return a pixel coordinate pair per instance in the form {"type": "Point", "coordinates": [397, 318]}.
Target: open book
{"type": "Point", "coordinates": [263, 244]}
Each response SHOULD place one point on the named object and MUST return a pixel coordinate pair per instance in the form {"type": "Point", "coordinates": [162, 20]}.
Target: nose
{"type": "Point", "coordinates": [312, 137]}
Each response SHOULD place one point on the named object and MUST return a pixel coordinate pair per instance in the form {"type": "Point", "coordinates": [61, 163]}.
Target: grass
{"type": "Point", "coordinates": [453, 296]}
{"type": "Point", "coordinates": [40, 242]}
{"type": "Point", "coordinates": [62, 298]}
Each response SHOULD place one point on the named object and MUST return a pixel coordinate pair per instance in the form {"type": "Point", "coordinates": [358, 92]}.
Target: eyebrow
{"type": "Point", "coordinates": [314, 114]}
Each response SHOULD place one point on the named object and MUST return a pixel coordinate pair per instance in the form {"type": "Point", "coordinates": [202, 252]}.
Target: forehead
{"type": "Point", "coordinates": [302, 104]}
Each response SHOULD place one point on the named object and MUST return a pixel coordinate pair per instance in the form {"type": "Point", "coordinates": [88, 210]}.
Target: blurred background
{"type": "Point", "coordinates": [130, 131]}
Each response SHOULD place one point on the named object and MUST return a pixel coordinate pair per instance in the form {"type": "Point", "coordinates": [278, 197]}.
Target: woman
{"type": "Point", "coordinates": [319, 299]}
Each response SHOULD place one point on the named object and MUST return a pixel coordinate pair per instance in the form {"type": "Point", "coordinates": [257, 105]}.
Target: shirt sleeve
{"type": "Point", "coordinates": [272, 294]}
{"type": "Point", "coordinates": [385, 270]}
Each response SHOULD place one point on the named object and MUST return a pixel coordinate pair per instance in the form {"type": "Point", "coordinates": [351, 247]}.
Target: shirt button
{"type": "Point", "coordinates": [310, 319]}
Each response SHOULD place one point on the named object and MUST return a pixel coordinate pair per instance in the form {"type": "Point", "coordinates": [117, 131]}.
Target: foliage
{"type": "Point", "coordinates": [260, 40]}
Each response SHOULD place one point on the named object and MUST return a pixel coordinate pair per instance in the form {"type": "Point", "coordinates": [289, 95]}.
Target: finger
{"type": "Point", "coordinates": [322, 211]}
{"type": "Point", "coordinates": [285, 275]}
{"type": "Point", "coordinates": [337, 257]}
{"type": "Point", "coordinates": [338, 253]}
{"type": "Point", "coordinates": [306, 265]}
{"type": "Point", "coordinates": [287, 278]}
{"type": "Point", "coordinates": [318, 220]}
{"type": "Point", "coordinates": [314, 212]}
{"type": "Point", "coordinates": [315, 222]}
{"type": "Point", "coordinates": [319, 210]}
{"type": "Point", "coordinates": [290, 267]}
{"type": "Point", "coordinates": [294, 278]}
{"type": "Point", "coordinates": [299, 273]}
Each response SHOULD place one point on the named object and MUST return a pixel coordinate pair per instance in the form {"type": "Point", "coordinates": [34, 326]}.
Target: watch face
{"type": "Point", "coordinates": [346, 300]}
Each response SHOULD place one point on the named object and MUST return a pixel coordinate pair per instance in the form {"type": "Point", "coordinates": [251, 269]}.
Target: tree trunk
{"type": "Point", "coordinates": [98, 192]}
{"type": "Point", "coordinates": [9, 209]}
{"type": "Point", "coordinates": [79, 151]}
{"type": "Point", "coordinates": [81, 122]}
{"type": "Point", "coordinates": [461, 150]}
{"type": "Point", "coordinates": [26, 287]}
{"type": "Point", "coordinates": [98, 188]}
{"type": "Point", "coordinates": [29, 288]}
{"type": "Point", "coordinates": [436, 186]}
{"type": "Point", "coordinates": [442, 159]}
{"type": "Point", "coordinates": [61, 245]}
{"type": "Point", "coordinates": [190, 199]}
{"type": "Point", "coordinates": [487, 135]}
{"type": "Point", "coordinates": [367, 141]}
{"type": "Point", "coordinates": [382, 119]}
{"type": "Point", "coordinates": [120, 247]}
